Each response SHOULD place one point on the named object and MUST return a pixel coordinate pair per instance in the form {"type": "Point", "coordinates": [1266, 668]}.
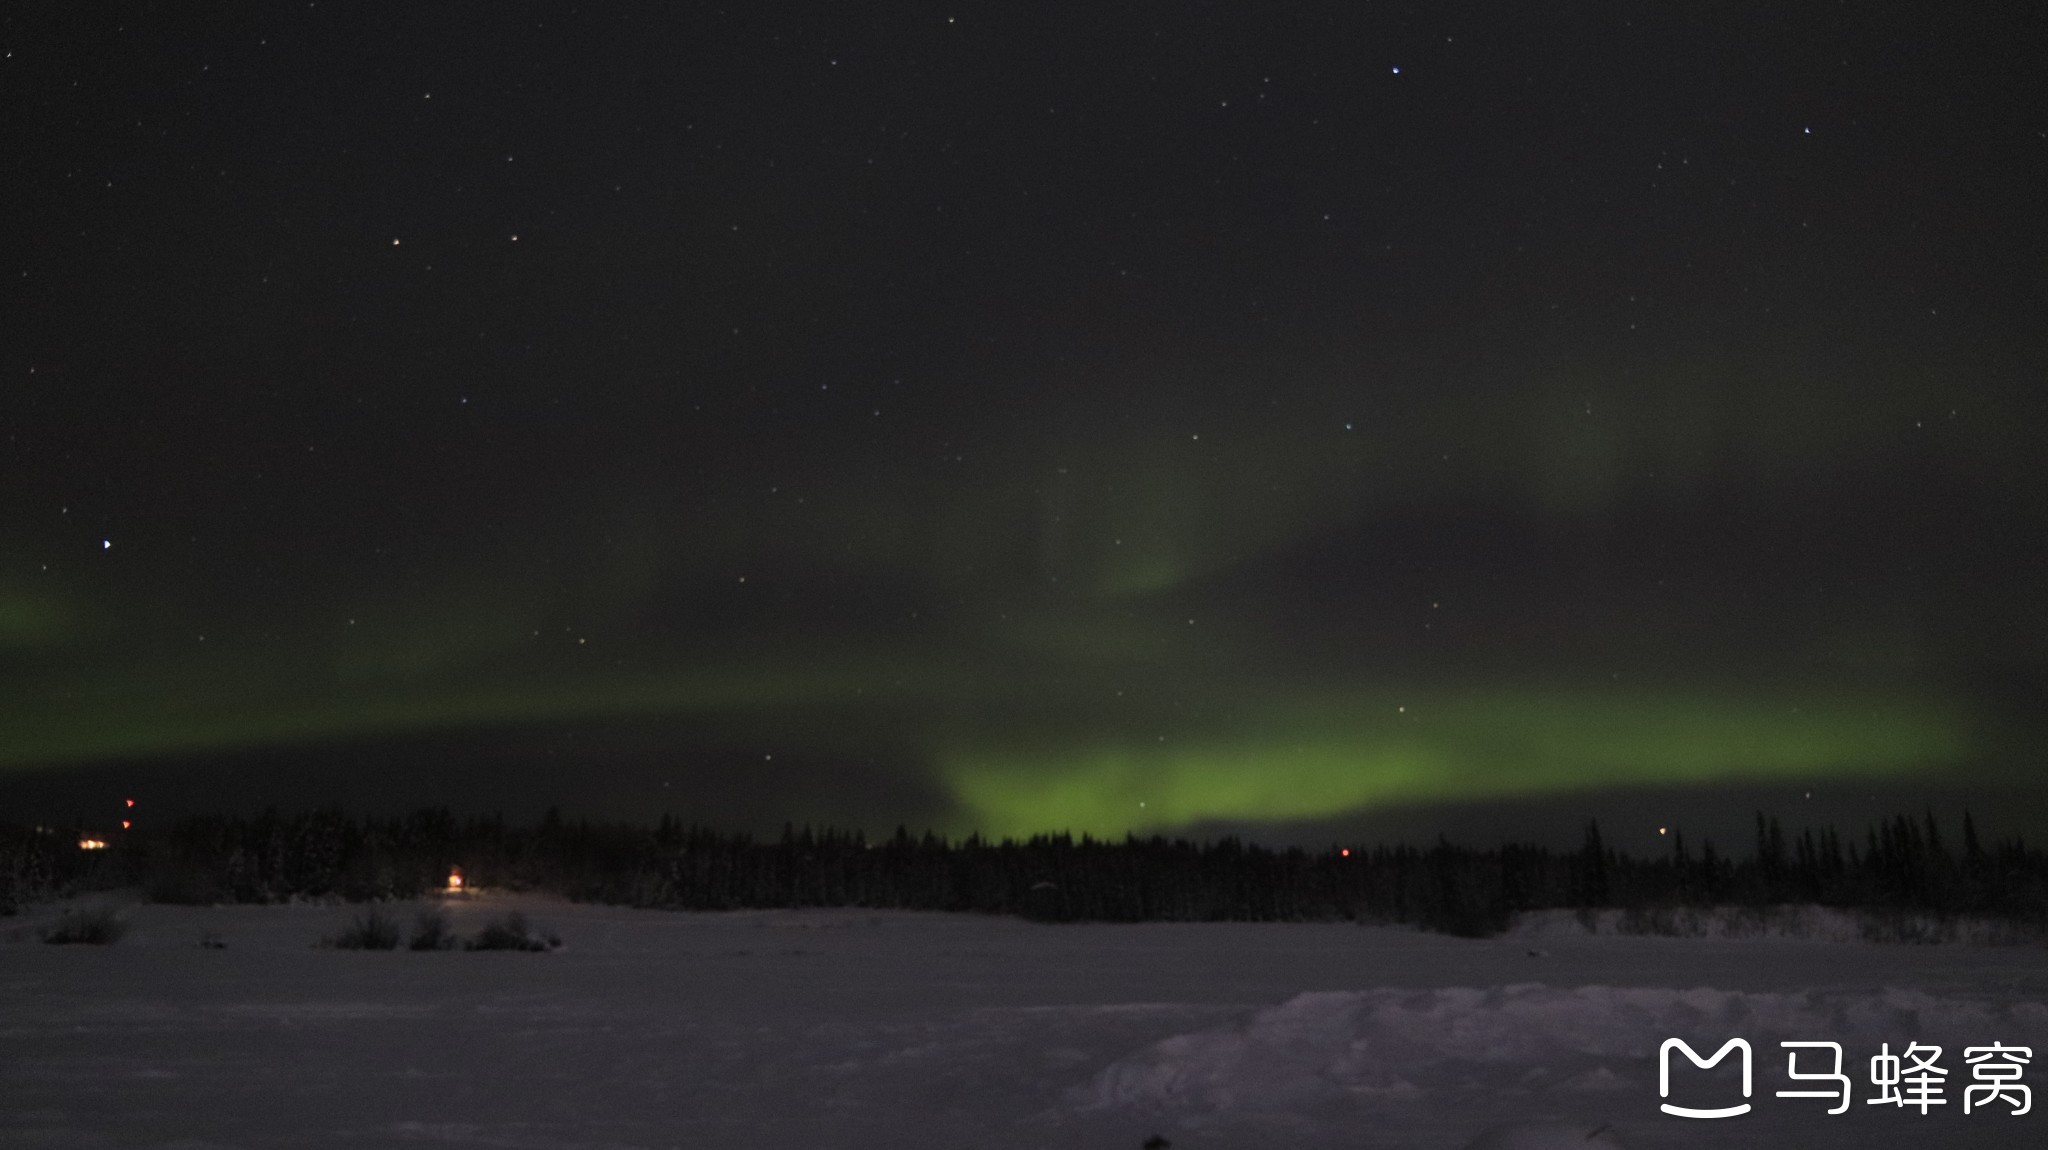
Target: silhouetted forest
{"type": "Point", "coordinates": [1904, 864]}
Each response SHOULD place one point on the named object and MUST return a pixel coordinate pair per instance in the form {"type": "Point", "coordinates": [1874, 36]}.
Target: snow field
{"type": "Point", "coordinates": [873, 1029]}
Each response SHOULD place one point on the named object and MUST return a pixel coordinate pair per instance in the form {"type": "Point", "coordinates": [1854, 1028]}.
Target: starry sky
{"type": "Point", "coordinates": [1304, 419]}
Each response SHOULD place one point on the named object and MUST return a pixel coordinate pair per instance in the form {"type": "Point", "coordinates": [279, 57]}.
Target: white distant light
{"type": "Point", "coordinates": [1397, 69]}
{"type": "Point", "coordinates": [106, 543]}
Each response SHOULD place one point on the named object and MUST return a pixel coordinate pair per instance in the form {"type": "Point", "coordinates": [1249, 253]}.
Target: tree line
{"type": "Point", "coordinates": [1900, 865]}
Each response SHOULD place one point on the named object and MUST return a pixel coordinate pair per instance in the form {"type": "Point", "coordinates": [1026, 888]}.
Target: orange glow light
{"type": "Point", "coordinates": [92, 845]}
{"type": "Point", "coordinates": [455, 879]}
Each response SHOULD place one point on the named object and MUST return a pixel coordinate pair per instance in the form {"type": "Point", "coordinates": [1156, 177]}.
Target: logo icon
{"type": "Point", "coordinates": [1664, 1076]}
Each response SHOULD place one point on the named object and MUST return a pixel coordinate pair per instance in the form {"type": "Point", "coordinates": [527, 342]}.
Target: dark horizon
{"type": "Point", "coordinates": [1012, 420]}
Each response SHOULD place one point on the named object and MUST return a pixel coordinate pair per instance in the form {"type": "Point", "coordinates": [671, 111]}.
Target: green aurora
{"type": "Point", "coordinates": [1049, 725]}
{"type": "Point", "coordinates": [1341, 757]}
{"type": "Point", "coordinates": [1098, 636]}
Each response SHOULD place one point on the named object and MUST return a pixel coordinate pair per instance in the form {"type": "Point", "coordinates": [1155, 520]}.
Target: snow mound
{"type": "Point", "coordinates": [1802, 922]}
{"type": "Point", "coordinates": [1525, 1040]}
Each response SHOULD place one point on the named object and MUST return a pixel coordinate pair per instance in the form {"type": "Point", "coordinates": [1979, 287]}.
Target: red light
{"type": "Point", "coordinates": [1346, 852]}
{"type": "Point", "coordinates": [124, 824]}
{"type": "Point", "coordinates": [130, 802]}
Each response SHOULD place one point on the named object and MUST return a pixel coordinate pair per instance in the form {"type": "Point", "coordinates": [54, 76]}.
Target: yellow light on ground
{"type": "Point", "coordinates": [455, 881]}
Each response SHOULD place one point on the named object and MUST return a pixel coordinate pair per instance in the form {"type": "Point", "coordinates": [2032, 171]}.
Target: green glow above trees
{"type": "Point", "coordinates": [1349, 755]}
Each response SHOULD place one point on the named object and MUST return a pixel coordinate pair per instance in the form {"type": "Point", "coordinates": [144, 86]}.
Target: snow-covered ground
{"type": "Point", "coordinates": [862, 1029]}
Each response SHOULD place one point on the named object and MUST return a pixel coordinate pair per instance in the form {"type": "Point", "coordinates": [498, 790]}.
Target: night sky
{"type": "Point", "coordinates": [1172, 417]}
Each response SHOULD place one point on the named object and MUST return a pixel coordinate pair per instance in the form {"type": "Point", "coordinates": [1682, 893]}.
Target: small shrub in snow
{"type": "Point", "coordinates": [510, 933]}
{"type": "Point", "coordinates": [98, 927]}
{"type": "Point", "coordinates": [1903, 927]}
{"type": "Point", "coordinates": [373, 929]}
{"type": "Point", "coordinates": [430, 932]}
